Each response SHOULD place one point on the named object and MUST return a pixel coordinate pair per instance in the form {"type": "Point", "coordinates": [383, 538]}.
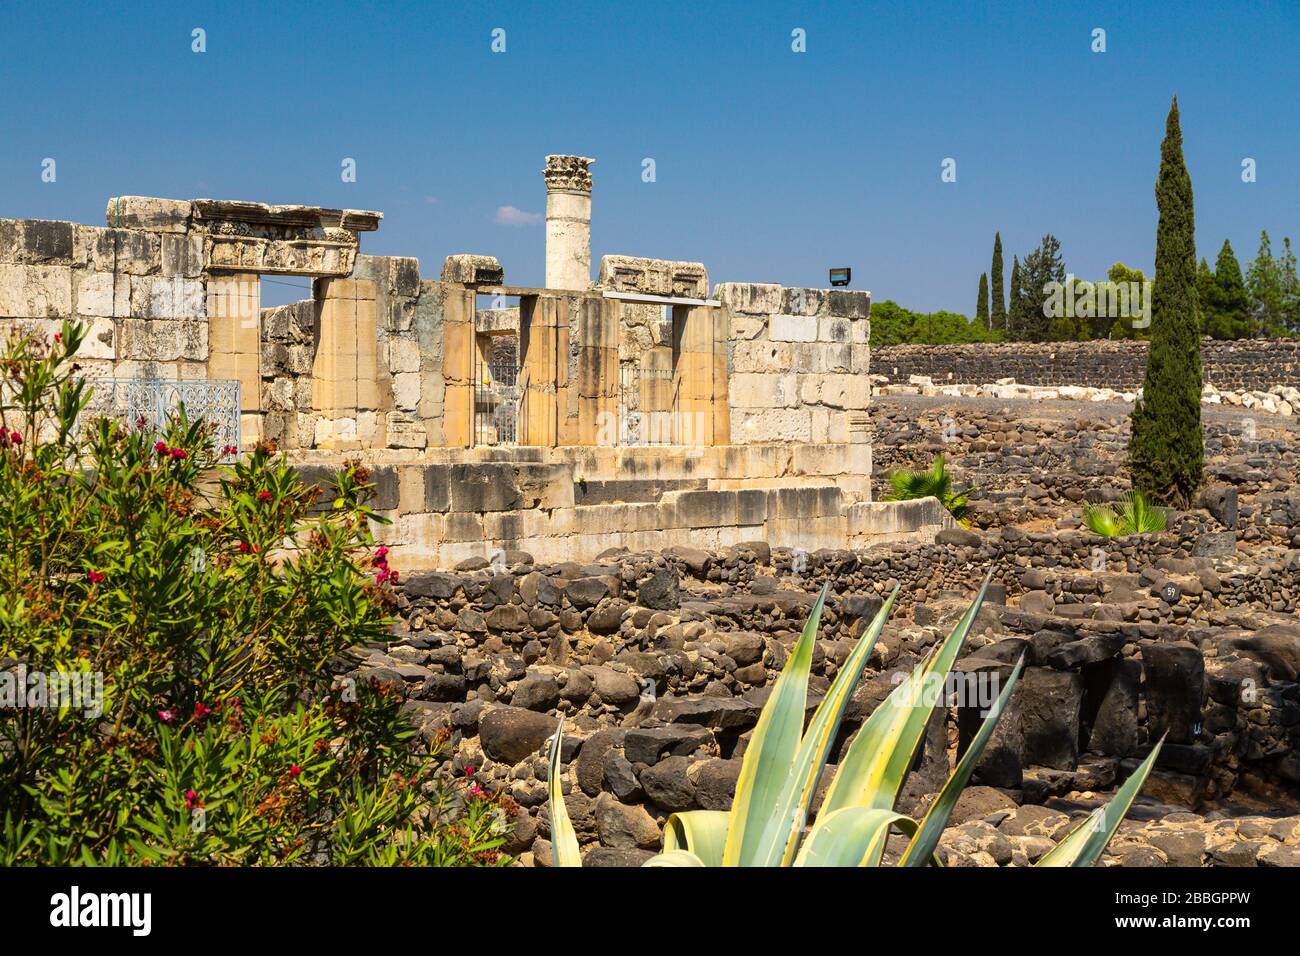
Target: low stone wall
{"type": "Point", "coordinates": [572, 504]}
{"type": "Point", "coordinates": [1241, 365]}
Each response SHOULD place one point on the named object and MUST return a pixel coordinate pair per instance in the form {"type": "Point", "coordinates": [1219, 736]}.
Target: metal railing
{"type": "Point", "coordinates": [154, 401]}
{"type": "Point", "coordinates": [496, 404]}
{"type": "Point", "coordinates": [647, 406]}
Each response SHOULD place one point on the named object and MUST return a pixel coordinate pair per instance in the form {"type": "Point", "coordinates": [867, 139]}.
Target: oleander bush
{"type": "Point", "coordinates": [172, 637]}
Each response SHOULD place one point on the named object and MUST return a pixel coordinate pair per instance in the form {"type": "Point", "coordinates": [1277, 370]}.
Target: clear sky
{"type": "Point", "coordinates": [770, 165]}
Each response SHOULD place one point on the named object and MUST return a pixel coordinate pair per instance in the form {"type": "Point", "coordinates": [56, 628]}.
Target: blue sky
{"type": "Point", "coordinates": [771, 165]}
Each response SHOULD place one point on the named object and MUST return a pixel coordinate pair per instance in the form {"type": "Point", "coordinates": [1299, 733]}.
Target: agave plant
{"type": "Point", "coordinates": [935, 482]}
{"type": "Point", "coordinates": [767, 824]}
{"type": "Point", "coordinates": [1135, 516]}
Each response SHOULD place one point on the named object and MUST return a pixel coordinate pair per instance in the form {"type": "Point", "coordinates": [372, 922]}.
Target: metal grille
{"type": "Point", "coordinates": [216, 401]}
{"type": "Point", "coordinates": [646, 406]}
{"type": "Point", "coordinates": [496, 404]}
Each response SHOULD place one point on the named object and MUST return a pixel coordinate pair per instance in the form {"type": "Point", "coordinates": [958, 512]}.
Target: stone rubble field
{"type": "Point", "coordinates": [660, 662]}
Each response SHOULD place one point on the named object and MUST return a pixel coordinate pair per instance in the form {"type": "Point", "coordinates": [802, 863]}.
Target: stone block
{"type": "Point", "coordinates": [468, 269]}
{"type": "Point", "coordinates": [755, 298]}
{"type": "Point", "coordinates": [793, 328]}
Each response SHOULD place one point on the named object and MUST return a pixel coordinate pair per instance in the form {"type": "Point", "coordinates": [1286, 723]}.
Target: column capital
{"type": "Point", "coordinates": [569, 173]}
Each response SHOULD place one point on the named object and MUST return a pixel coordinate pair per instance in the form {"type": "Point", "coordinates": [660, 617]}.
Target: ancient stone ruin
{"type": "Point", "coordinates": [642, 409]}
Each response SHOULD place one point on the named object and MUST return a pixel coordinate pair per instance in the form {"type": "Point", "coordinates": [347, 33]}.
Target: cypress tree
{"type": "Point", "coordinates": [1167, 448]}
{"type": "Point", "coordinates": [998, 317]}
{"type": "Point", "coordinates": [982, 306]}
{"type": "Point", "coordinates": [1013, 313]}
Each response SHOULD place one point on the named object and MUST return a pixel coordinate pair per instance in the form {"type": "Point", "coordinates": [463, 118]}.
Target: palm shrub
{"type": "Point", "coordinates": [934, 482]}
{"type": "Point", "coordinates": [1135, 516]}
{"type": "Point", "coordinates": [767, 824]}
{"type": "Point", "coordinates": [212, 607]}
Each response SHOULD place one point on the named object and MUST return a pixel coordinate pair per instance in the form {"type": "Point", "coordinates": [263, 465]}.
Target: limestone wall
{"type": "Point", "coordinates": [798, 363]}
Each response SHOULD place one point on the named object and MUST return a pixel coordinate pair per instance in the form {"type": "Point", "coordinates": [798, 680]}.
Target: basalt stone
{"type": "Point", "coordinates": [584, 593]}
{"type": "Point", "coordinates": [607, 618]}
{"type": "Point", "coordinates": [1110, 713]}
{"type": "Point", "coordinates": [1277, 647]}
{"type": "Point", "coordinates": [667, 785]}
{"type": "Point", "coordinates": [507, 617]}
{"type": "Point", "coordinates": [578, 687]}
{"type": "Point", "coordinates": [1050, 702]}
{"type": "Point", "coordinates": [624, 827]}
{"type": "Point", "coordinates": [1088, 650]}
{"type": "Point", "coordinates": [609, 856]}
{"type": "Point", "coordinates": [720, 713]}
{"type": "Point", "coordinates": [647, 744]}
{"type": "Point", "coordinates": [593, 756]}
{"type": "Point", "coordinates": [443, 687]}
{"type": "Point", "coordinates": [854, 606]}
{"type": "Point", "coordinates": [430, 584]}
{"type": "Point", "coordinates": [475, 563]}
{"type": "Point", "coordinates": [536, 692]}
{"type": "Point", "coordinates": [509, 734]}
{"type": "Point", "coordinates": [958, 537]}
{"type": "Point", "coordinates": [1216, 544]}
{"type": "Point", "coordinates": [662, 592]}
{"type": "Point", "coordinates": [696, 561]}
{"type": "Point", "coordinates": [1221, 502]}
{"type": "Point", "coordinates": [537, 588]}
{"type": "Point", "coordinates": [620, 778]}
{"type": "Point", "coordinates": [715, 783]}
{"type": "Point", "coordinates": [1037, 602]}
{"type": "Point", "coordinates": [1175, 687]}
{"type": "Point", "coordinates": [612, 686]}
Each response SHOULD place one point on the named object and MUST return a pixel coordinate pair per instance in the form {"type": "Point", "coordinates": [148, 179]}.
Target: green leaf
{"type": "Point", "coordinates": [921, 850]}
{"type": "Point", "coordinates": [756, 837]}
{"type": "Point", "coordinates": [1086, 842]}
{"type": "Point", "coordinates": [674, 858]}
{"type": "Point", "coordinates": [702, 832]}
{"type": "Point", "coordinates": [797, 797]}
{"type": "Point", "coordinates": [564, 841]}
{"type": "Point", "coordinates": [851, 836]}
{"type": "Point", "coordinates": [873, 768]}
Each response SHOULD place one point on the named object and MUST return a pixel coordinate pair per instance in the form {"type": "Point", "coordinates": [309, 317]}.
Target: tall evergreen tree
{"type": "Point", "coordinates": [982, 306]}
{"type": "Point", "coordinates": [1040, 268]}
{"type": "Point", "coordinates": [998, 315]}
{"type": "Point", "coordinates": [1290, 284]}
{"type": "Point", "coordinates": [1264, 282]}
{"type": "Point", "coordinates": [1226, 310]}
{"type": "Point", "coordinates": [1167, 447]}
{"type": "Point", "coordinates": [1013, 312]}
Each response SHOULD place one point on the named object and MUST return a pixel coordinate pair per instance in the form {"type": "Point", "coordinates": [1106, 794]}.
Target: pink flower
{"type": "Point", "coordinates": [469, 771]}
{"type": "Point", "coordinates": [263, 495]}
{"type": "Point", "coordinates": [382, 575]}
{"type": "Point", "coordinates": [179, 453]}
{"type": "Point", "coordinates": [294, 770]}
{"type": "Point", "coordinates": [166, 716]}
{"type": "Point", "coordinates": [476, 790]}
{"type": "Point", "coordinates": [58, 336]}
{"type": "Point", "coordinates": [243, 547]}
{"type": "Point", "coordinates": [16, 438]}
{"type": "Point", "coordinates": [381, 552]}
{"type": "Point", "coordinates": [201, 710]}
{"type": "Point", "coordinates": [192, 800]}
{"type": "Point", "coordinates": [95, 576]}
{"type": "Point", "coordinates": [160, 447]}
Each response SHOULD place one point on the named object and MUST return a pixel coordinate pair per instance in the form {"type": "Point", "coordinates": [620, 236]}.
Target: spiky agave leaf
{"type": "Point", "coordinates": [1086, 842]}
{"type": "Point", "coordinates": [920, 850]}
{"type": "Point", "coordinates": [852, 836]}
{"type": "Point", "coordinates": [703, 833]}
{"type": "Point", "coordinates": [872, 770]}
{"type": "Point", "coordinates": [674, 858]}
{"type": "Point", "coordinates": [814, 748]}
{"type": "Point", "coordinates": [755, 836]}
{"type": "Point", "coordinates": [564, 841]}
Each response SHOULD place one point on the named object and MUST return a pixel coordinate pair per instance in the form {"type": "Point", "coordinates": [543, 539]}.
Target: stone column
{"type": "Point", "coordinates": [235, 344]}
{"type": "Point", "coordinates": [568, 222]}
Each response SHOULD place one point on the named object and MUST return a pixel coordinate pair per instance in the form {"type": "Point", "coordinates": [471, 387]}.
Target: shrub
{"type": "Point", "coordinates": [212, 607]}
{"type": "Point", "coordinates": [934, 482]}
{"type": "Point", "coordinates": [1135, 516]}
{"type": "Point", "coordinates": [783, 763]}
